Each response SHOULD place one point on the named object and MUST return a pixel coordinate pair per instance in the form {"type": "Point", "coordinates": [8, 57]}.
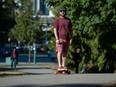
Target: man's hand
{"type": "Point", "coordinates": [71, 41]}
{"type": "Point", "coordinates": [57, 41]}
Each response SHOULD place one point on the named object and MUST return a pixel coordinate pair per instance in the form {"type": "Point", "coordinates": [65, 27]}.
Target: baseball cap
{"type": "Point", "coordinates": [62, 8]}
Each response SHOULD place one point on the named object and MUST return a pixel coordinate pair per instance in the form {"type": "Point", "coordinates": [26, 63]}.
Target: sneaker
{"type": "Point", "coordinates": [60, 68]}
{"type": "Point", "coordinates": [65, 68]}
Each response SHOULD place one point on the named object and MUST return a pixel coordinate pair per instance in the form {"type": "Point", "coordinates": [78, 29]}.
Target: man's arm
{"type": "Point", "coordinates": [71, 40]}
{"type": "Point", "coordinates": [71, 34]}
{"type": "Point", "coordinates": [56, 35]}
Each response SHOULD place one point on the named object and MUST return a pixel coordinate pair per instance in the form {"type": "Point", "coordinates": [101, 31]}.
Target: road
{"type": "Point", "coordinates": [42, 76]}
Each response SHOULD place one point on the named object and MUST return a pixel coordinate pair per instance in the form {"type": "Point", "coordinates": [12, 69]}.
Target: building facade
{"type": "Point", "coordinates": [41, 8]}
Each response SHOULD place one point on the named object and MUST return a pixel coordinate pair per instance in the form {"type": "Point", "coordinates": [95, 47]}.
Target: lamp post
{"type": "Point", "coordinates": [46, 30]}
{"type": "Point", "coordinates": [34, 49]}
{"type": "Point", "coordinates": [34, 45]}
{"type": "Point", "coordinates": [46, 35]}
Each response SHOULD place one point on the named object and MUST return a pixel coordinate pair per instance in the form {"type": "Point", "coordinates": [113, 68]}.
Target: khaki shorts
{"type": "Point", "coordinates": [62, 46]}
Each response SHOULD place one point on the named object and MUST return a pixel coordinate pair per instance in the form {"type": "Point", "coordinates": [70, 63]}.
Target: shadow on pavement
{"type": "Point", "coordinates": [23, 71]}
{"type": "Point", "coordinates": [60, 85]}
{"type": "Point", "coordinates": [22, 68]}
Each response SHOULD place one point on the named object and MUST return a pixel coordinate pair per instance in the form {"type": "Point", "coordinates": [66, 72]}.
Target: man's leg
{"type": "Point", "coordinates": [11, 63]}
{"type": "Point", "coordinates": [64, 57]}
{"type": "Point", "coordinates": [59, 59]}
{"type": "Point", "coordinates": [64, 54]}
{"type": "Point", "coordinates": [14, 63]}
{"type": "Point", "coordinates": [59, 54]}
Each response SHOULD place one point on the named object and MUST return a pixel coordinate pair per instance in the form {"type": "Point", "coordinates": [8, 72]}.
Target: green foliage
{"type": "Point", "coordinates": [94, 23]}
{"type": "Point", "coordinates": [7, 20]}
{"type": "Point", "coordinates": [26, 29]}
{"type": "Point", "coordinates": [52, 42]}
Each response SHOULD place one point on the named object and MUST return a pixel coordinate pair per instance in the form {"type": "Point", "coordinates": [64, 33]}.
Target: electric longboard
{"type": "Point", "coordinates": [62, 71]}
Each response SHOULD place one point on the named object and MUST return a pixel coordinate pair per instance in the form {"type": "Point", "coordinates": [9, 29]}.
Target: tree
{"type": "Point", "coordinates": [7, 20]}
{"type": "Point", "coordinates": [94, 25]}
{"type": "Point", "coordinates": [26, 28]}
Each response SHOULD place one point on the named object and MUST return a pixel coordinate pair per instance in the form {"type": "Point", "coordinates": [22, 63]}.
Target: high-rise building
{"type": "Point", "coordinates": [41, 8]}
{"type": "Point", "coordinates": [43, 12]}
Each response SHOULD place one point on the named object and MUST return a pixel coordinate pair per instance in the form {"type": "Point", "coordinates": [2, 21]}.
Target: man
{"type": "Point", "coordinates": [77, 59]}
{"type": "Point", "coordinates": [63, 35]}
{"type": "Point", "coordinates": [14, 58]}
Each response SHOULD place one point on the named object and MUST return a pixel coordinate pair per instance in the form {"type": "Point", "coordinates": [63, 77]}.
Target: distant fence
{"type": "Point", "coordinates": [24, 58]}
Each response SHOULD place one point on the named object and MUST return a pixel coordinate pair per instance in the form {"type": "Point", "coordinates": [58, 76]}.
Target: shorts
{"type": "Point", "coordinates": [62, 46]}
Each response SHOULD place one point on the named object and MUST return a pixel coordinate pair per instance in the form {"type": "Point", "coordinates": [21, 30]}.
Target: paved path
{"type": "Point", "coordinates": [43, 77]}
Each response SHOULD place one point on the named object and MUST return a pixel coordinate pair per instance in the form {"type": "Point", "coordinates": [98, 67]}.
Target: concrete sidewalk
{"type": "Point", "coordinates": [42, 76]}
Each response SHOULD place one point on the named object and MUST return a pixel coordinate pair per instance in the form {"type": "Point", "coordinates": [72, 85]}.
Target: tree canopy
{"type": "Point", "coordinates": [26, 29]}
{"type": "Point", "coordinates": [94, 31]}
{"type": "Point", "coordinates": [7, 20]}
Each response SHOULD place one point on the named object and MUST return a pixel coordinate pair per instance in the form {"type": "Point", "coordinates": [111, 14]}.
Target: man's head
{"type": "Point", "coordinates": [78, 50]}
{"type": "Point", "coordinates": [62, 11]}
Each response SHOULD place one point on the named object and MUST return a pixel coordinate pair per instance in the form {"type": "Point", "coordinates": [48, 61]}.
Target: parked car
{"type": "Point", "coordinates": [45, 50]}
{"type": "Point", "coordinates": [6, 51]}
{"type": "Point", "coordinates": [52, 54]}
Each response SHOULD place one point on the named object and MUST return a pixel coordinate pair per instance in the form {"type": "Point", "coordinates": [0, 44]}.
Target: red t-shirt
{"type": "Point", "coordinates": [63, 26]}
{"type": "Point", "coordinates": [13, 55]}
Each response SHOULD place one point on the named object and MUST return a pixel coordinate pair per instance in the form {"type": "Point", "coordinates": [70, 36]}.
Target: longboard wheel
{"type": "Point", "coordinates": [63, 73]}
{"type": "Point", "coordinates": [55, 73]}
{"type": "Point", "coordinates": [68, 72]}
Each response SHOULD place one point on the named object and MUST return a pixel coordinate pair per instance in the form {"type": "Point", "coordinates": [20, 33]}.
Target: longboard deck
{"type": "Point", "coordinates": [61, 71]}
